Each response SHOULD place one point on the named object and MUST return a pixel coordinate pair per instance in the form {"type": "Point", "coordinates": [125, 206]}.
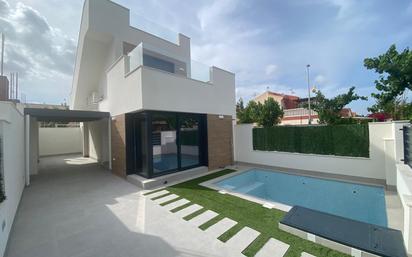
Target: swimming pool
{"type": "Point", "coordinates": [354, 201]}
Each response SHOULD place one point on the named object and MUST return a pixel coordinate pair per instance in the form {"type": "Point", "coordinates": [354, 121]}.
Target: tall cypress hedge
{"type": "Point", "coordinates": [342, 140]}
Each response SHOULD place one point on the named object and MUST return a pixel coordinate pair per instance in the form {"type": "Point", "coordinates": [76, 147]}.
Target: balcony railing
{"type": "Point", "coordinates": [196, 70]}
{"type": "Point", "coordinates": [139, 22]}
{"type": "Point", "coordinates": [298, 112]}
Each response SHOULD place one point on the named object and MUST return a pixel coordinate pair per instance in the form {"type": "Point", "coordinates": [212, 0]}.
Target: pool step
{"type": "Point", "coordinates": [249, 187]}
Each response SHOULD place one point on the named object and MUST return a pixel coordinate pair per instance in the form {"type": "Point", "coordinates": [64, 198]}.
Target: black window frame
{"type": "Point", "coordinates": [131, 142]}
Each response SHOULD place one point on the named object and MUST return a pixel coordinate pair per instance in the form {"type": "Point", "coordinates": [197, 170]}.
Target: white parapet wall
{"type": "Point", "coordinates": [55, 141]}
{"type": "Point", "coordinates": [380, 165]}
{"type": "Point", "coordinates": [13, 167]}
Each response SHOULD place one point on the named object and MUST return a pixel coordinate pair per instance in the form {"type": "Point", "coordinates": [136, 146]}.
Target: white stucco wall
{"type": "Point", "coordinates": [101, 44]}
{"type": "Point", "coordinates": [124, 94]}
{"type": "Point", "coordinates": [100, 68]}
{"type": "Point", "coordinates": [34, 146]}
{"type": "Point", "coordinates": [98, 138]}
{"type": "Point", "coordinates": [54, 141]}
{"type": "Point", "coordinates": [373, 167]}
{"type": "Point", "coordinates": [12, 131]}
{"type": "Point", "coordinates": [150, 89]}
{"type": "Point", "coordinates": [165, 91]}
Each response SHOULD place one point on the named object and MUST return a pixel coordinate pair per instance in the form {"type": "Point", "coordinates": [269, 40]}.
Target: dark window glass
{"type": "Point", "coordinates": [189, 140]}
{"type": "Point", "coordinates": [157, 63]}
{"type": "Point", "coordinates": [165, 153]}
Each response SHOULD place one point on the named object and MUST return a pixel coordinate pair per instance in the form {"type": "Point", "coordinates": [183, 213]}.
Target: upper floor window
{"type": "Point", "coordinates": [158, 63]}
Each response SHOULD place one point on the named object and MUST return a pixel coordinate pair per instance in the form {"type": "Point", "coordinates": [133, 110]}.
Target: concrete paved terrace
{"type": "Point", "coordinates": [74, 208]}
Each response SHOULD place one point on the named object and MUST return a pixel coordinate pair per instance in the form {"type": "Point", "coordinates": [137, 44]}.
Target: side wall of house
{"type": "Point", "coordinates": [98, 141]}
{"type": "Point", "coordinates": [220, 141]}
{"type": "Point", "coordinates": [12, 165]}
{"type": "Point", "coordinates": [119, 145]}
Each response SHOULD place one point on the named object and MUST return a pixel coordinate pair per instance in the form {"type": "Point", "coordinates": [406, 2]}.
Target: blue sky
{"type": "Point", "coordinates": [266, 43]}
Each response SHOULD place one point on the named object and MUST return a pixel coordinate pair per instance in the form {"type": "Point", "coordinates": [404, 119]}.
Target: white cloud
{"type": "Point", "coordinates": [271, 69]}
{"type": "Point", "coordinates": [35, 49]}
{"type": "Point", "coordinates": [210, 14]}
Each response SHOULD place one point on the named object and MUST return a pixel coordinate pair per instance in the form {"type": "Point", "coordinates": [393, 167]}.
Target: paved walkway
{"type": "Point", "coordinates": [235, 245]}
{"type": "Point", "coordinates": [74, 208]}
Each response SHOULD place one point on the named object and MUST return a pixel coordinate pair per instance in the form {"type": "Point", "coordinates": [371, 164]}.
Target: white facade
{"type": "Point", "coordinates": [113, 73]}
{"type": "Point", "coordinates": [13, 169]}
{"type": "Point", "coordinates": [55, 141]}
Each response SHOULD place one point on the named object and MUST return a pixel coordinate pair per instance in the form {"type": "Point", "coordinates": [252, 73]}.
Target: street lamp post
{"type": "Point", "coordinates": [310, 116]}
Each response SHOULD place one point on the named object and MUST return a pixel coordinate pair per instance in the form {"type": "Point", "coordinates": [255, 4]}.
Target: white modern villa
{"type": "Point", "coordinates": [168, 113]}
{"type": "Point", "coordinates": [149, 161]}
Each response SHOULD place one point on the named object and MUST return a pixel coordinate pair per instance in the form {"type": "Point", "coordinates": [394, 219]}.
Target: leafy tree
{"type": "Point", "coordinates": [270, 113]}
{"type": "Point", "coordinates": [329, 110]}
{"type": "Point", "coordinates": [267, 114]}
{"type": "Point", "coordinates": [247, 114]}
{"type": "Point", "coordinates": [395, 76]}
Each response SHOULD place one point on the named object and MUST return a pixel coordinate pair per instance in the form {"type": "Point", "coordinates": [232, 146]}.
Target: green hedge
{"type": "Point", "coordinates": [343, 140]}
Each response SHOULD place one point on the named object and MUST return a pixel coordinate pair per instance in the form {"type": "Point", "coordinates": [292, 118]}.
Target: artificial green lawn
{"type": "Point", "coordinates": [246, 213]}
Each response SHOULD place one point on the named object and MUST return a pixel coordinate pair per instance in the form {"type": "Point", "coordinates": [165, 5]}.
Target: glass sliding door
{"type": "Point", "coordinates": [158, 143]}
{"type": "Point", "coordinates": [164, 145]}
{"type": "Point", "coordinates": [189, 141]}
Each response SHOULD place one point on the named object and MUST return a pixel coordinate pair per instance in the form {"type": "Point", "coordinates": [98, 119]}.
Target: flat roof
{"type": "Point", "coordinates": [65, 115]}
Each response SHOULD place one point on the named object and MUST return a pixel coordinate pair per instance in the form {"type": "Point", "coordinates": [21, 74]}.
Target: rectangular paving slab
{"type": "Point", "coordinates": [188, 210]}
{"type": "Point", "coordinates": [242, 239]}
{"type": "Point", "coordinates": [163, 192]}
{"type": "Point", "coordinates": [166, 198]}
{"type": "Point", "coordinates": [176, 204]}
{"type": "Point", "coordinates": [304, 254]}
{"type": "Point", "coordinates": [221, 227]}
{"type": "Point", "coordinates": [273, 248]}
{"type": "Point", "coordinates": [203, 218]}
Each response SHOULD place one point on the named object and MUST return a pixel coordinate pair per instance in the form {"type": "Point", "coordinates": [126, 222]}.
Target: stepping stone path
{"type": "Point", "coordinates": [166, 198]}
{"type": "Point", "coordinates": [273, 247]}
{"type": "Point", "coordinates": [238, 242]}
{"type": "Point", "coordinates": [203, 218]}
{"type": "Point", "coordinates": [221, 227]}
{"type": "Point", "coordinates": [188, 210]}
{"type": "Point", "coordinates": [242, 239]}
{"type": "Point", "coordinates": [307, 255]}
{"type": "Point", "coordinates": [153, 195]}
{"type": "Point", "coordinates": [176, 204]}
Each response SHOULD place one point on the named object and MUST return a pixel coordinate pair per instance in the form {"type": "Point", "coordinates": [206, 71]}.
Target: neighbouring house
{"type": "Point", "coordinates": [294, 112]}
{"type": "Point", "coordinates": [168, 113]}
{"type": "Point", "coordinates": [293, 107]}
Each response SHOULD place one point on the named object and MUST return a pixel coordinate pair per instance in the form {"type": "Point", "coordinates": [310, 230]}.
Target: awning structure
{"type": "Point", "coordinates": [65, 115]}
{"type": "Point", "coordinates": [34, 115]}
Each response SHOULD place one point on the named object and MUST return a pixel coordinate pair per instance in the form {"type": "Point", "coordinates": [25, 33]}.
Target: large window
{"type": "Point", "coordinates": [164, 143]}
{"type": "Point", "coordinates": [158, 143]}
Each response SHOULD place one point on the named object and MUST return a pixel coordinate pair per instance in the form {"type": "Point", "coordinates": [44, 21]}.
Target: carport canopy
{"type": "Point", "coordinates": [58, 115]}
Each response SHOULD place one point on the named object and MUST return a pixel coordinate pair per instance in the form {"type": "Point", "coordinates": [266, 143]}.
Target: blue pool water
{"type": "Point", "coordinates": [353, 201]}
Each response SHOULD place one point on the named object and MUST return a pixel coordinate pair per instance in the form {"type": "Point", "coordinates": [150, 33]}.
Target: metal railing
{"type": "Point", "coordinates": [407, 145]}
